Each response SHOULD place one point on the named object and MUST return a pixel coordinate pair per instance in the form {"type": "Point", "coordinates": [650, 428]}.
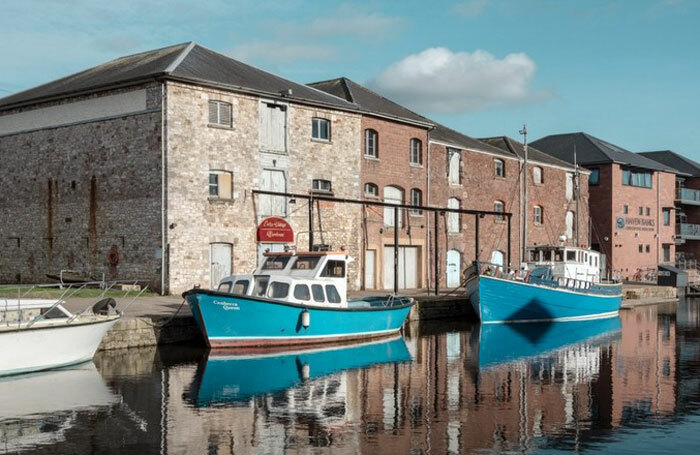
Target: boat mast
{"type": "Point", "coordinates": [525, 204]}
{"type": "Point", "coordinates": [577, 195]}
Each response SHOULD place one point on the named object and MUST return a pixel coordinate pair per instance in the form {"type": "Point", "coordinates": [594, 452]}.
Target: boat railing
{"type": "Point", "coordinates": [511, 273]}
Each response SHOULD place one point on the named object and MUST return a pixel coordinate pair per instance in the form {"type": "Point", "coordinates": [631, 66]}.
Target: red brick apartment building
{"type": "Point", "coordinates": [631, 202]}
{"type": "Point", "coordinates": [408, 158]}
{"type": "Point", "coordinates": [687, 205]}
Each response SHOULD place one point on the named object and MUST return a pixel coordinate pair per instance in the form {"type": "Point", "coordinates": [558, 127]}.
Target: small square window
{"type": "Point", "coordinates": [321, 129]}
{"type": "Point", "coordinates": [321, 186]}
{"type": "Point", "coordinates": [220, 113]}
{"type": "Point", "coordinates": [371, 190]}
{"type": "Point", "coordinates": [220, 184]}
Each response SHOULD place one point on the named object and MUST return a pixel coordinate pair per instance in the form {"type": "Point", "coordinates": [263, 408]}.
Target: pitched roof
{"type": "Point", "coordinates": [441, 133]}
{"type": "Point", "coordinates": [187, 62]}
{"type": "Point", "coordinates": [672, 159]}
{"type": "Point", "coordinates": [516, 148]}
{"type": "Point", "coordinates": [368, 100]}
{"type": "Point", "coordinates": [591, 150]}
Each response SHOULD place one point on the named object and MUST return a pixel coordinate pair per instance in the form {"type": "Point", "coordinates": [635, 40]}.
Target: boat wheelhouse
{"type": "Point", "coordinates": [293, 298]}
{"type": "Point", "coordinates": [570, 263]}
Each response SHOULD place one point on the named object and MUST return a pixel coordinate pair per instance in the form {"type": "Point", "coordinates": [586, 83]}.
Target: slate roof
{"type": "Point", "coordinates": [441, 133]}
{"type": "Point", "coordinates": [368, 100]}
{"type": "Point", "coordinates": [672, 159]}
{"type": "Point", "coordinates": [590, 150]}
{"type": "Point", "coordinates": [516, 148]}
{"type": "Point", "coordinates": [187, 62]}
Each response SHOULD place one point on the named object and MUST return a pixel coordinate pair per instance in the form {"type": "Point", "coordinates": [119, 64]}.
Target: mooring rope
{"type": "Point", "coordinates": [167, 321]}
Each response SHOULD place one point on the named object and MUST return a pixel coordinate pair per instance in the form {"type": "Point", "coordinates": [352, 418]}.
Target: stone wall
{"type": "Point", "coordinates": [71, 194]}
{"type": "Point", "coordinates": [193, 149]}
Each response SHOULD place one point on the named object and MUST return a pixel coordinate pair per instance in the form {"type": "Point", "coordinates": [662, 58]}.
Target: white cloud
{"type": "Point", "coordinates": [471, 8]}
{"type": "Point", "coordinates": [438, 80]}
{"type": "Point", "coordinates": [279, 52]}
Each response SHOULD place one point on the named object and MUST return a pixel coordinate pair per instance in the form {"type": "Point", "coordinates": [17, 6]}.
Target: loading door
{"type": "Point", "coordinates": [408, 267]}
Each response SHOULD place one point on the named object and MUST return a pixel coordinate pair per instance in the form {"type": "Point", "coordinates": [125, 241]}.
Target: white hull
{"type": "Point", "coordinates": [49, 344]}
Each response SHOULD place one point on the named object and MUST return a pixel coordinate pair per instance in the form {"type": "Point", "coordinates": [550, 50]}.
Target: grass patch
{"type": "Point", "coordinates": [10, 291]}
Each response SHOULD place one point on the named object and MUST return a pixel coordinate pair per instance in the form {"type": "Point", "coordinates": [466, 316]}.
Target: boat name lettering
{"type": "Point", "coordinates": [227, 305]}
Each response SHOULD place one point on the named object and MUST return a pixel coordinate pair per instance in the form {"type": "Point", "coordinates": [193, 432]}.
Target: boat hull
{"type": "Point", "coordinates": [229, 320]}
{"type": "Point", "coordinates": [42, 347]}
{"type": "Point", "coordinates": [498, 300]}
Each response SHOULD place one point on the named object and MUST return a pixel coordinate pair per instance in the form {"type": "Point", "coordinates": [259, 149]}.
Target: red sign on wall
{"type": "Point", "coordinates": [275, 230]}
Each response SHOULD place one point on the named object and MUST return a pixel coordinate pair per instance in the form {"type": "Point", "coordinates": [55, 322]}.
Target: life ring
{"type": "Point", "coordinates": [113, 257]}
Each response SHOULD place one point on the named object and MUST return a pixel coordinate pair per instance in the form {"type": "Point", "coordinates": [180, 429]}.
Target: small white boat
{"type": "Point", "coordinates": [40, 334]}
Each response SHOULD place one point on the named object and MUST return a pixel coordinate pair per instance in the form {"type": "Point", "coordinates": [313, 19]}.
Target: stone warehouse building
{"type": "Point", "coordinates": [143, 168]}
{"type": "Point", "coordinates": [631, 202]}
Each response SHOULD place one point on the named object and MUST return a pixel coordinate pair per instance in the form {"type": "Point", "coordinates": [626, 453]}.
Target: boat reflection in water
{"type": "Point", "coordinates": [504, 343]}
{"type": "Point", "coordinates": [223, 377]}
{"type": "Point", "coordinates": [38, 409]}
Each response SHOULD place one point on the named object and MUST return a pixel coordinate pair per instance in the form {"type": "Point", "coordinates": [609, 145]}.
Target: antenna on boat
{"type": "Point", "coordinates": [577, 194]}
{"type": "Point", "coordinates": [525, 205]}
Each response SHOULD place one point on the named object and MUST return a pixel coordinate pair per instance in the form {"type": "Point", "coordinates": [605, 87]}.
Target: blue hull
{"type": "Point", "coordinates": [223, 379]}
{"type": "Point", "coordinates": [229, 320]}
{"type": "Point", "coordinates": [504, 343]}
{"type": "Point", "coordinates": [497, 300]}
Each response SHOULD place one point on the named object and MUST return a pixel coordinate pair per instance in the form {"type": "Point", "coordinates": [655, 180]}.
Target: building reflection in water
{"type": "Point", "coordinates": [441, 389]}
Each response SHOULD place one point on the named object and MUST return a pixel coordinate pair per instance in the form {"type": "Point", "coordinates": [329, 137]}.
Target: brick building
{"type": "Point", "coordinates": [687, 205]}
{"type": "Point", "coordinates": [151, 159]}
{"type": "Point", "coordinates": [631, 202]}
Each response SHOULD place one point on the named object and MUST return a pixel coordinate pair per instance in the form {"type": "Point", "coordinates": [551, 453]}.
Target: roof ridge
{"type": "Point", "coordinates": [432, 122]}
{"type": "Point", "coordinates": [178, 60]}
{"type": "Point", "coordinates": [344, 80]}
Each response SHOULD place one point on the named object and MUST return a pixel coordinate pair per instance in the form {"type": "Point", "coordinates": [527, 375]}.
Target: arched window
{"type": "Point", "coordinates": [499, 206]}
{"type": "Point", "coordinates": [537, 175]}
{"type": "Point", "coordinates": [417, 200]}
{"type": "Point", "coordinates": [499, 168]}
{"type": "Point", "coordinates": [453, 218]}
{"type": "Point", "coordinates": [453, 173]}
{"type": "Point", "coordinates": [371, 143]}
{"type": "Point", "coordinates": [416, 155]}
{"type": "Point", "coordinates": [392, 195]}
{"type": "Point", "coordinates": [537, 214]}
{"type": "Point", "coordinates": [371, 190]}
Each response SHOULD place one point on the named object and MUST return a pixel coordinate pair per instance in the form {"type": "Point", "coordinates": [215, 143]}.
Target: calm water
{"type": "Point", "coordinates": [627, 385]}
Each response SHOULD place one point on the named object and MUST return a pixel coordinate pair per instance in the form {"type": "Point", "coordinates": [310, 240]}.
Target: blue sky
{"type": "Point", "coordinates": [627, 71]}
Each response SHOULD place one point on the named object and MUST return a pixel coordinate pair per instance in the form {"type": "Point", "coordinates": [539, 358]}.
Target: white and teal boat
{"type": "Point", "coordinates": [560, 283]}
{"type": "Point", "coordinates": [293, 299]}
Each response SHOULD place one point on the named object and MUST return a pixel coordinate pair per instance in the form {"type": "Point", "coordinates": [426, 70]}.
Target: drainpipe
{"type": "Point", "coordinates": [162, 187]}
{"type": "Point", "coordinates": [658, 210]}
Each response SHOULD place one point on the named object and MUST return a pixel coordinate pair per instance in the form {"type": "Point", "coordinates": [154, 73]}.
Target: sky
{"type": "Point", "coordinates": [626, 71]}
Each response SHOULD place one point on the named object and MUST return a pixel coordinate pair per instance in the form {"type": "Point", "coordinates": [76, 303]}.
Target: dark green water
{"type": "Point", "coordinates": [629, 385]}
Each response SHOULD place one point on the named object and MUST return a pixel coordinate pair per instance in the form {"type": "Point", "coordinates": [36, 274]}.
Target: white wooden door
{"type": "Point", "coordinates": [453, 268]}
{"type": "Point", "coordinates": [221, 255]}
{"type": "Point", "coordinates": [392, 195]}
{"type": "Point", "coordinates": [370, 260]}
{"type": "Point", "coordinates": [454, 168]}
{"type": "Point", "coordinates": [452, 217]}
{"type": "Point", "coordinates": [407, 267]}
{"type": "Point", "coordinates": [273, 127]}
{"type": "Point", "coordinates": [569, 225]}
{"type": "Point", "coordinates": [273, 180]}
{"type": "Point", "coordinates": [569, 186]}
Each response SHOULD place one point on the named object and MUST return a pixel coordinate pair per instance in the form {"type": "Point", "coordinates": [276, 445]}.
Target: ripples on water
{"type": "Point", "coordinates": [627, 385]}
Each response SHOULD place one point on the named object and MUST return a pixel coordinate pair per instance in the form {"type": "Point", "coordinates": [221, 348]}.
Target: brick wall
{"type": "Point", "coordinates": [73, 193]}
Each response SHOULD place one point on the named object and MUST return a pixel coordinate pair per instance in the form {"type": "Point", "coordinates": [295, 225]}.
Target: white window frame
{"type": "Point", "coordinates": [372, 185]}
{"type": "Point", "coordinates": [416, 192]}
{"type": "Point", "coordinates": [496, 167]}
{"type": "Point", "coordinates": [416, 152]}
{"type": "Point", "coordinates": [369, 132]}
{"type": "Point", "coordinates": [319, 188]}
{"type": "Point", "coordinates": [316, 123]}
{"type": "Point", "coordinates": [537, 215]}
{"type": "Point", "coordinates": [454, 166]}
{"type": "Point", "coordinates": [499, 206]}
{"type": "Point", "coordinates": [535, 171]}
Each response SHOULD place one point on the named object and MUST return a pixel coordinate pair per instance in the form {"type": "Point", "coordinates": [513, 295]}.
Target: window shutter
{"type": "Point", "coordinates": [225, 185]}
{"type": "Point", "coordinates": [213, 112]}
{"type": "Point", "coordinates": [225, 114]}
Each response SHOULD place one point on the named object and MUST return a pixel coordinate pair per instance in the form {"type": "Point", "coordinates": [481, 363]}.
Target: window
{"type": "Point", "coordinates": [594, 177]}
{"type": "Point", "coordinates": [453, 168]}
{"type": "Point", "coordinates": [667, 252]}
{"type": "Point", "coordinates": [317, 291]}
{"type": "Point", "coordinates": [641, 248]}
{"type": "Point", "coordinates": [371, 143]}
{"type": "Point", "coordinates": [273, 127]}
{"type": "Point", "coordinates": [416, 156]}
{"type": "Point", "coordinates": [641, 210]}
{"type": "Point", "coordinates": [225, 287]}
{"type": "Point", "coordinates": [278, 290]}
{"type": "Point", "coordinates": [499, 206]}
{"type": "Point", "coordinates": [321, 186]}
{"type": "Point", "coordinates": [371, 190]}
{"type": "Point", "coordinates": [306, 263]}
{"type": "Point", "coordinates": [453, 218]}
{"type": "Point", "coordinates": [417, 200]}
{"type": "Point", "coordinates": [633, 177]}
{"type": "Point", "coordinates": [220, 113]}
{"type": "Point", "coordinates": [626, 209]}
{"type": "Point", "coordinates": [393, 195]}
{"type": "Point", "coordinates": [647, 248]}
{"type": "Point", "coordinates": [648, 211]}
{"type": "Point", "coordinates": [570, 186]}
{"type": "Point", "coordinates": [321, 129]}
{"type": "Point", "coordinates": [569, 221]}
{"type": "Point", "coordinates": [570, 256]}
{"type": "Point", "coordinates": [334, 269]}
{"type": "Point", "coordinates": [332, 294]}
{"type": "Point", "coordinates": [667, 217]}
{"type": "Point", "coordinates": [499, 168]}
{"type": "Point", "coordinates": [241, 287]}
{"type": "Point", "coordinates": [537, 214]}
{"type": "Point", "coordinates": [276, 262]}
{"type": "Point", "coordinates": [260, 286]}
{"type": "Point", "coordinates": [301, 292]}
{"type": "Point", "coordinates": [537, 175]}
{"type": "Point", "coordinates": [220, 184]}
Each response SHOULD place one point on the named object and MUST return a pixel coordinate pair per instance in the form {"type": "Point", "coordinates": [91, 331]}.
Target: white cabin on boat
{"type": "Point", "coordinates": [580, 264]}
{"type": "Point", "coordinates": [317, 278]}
